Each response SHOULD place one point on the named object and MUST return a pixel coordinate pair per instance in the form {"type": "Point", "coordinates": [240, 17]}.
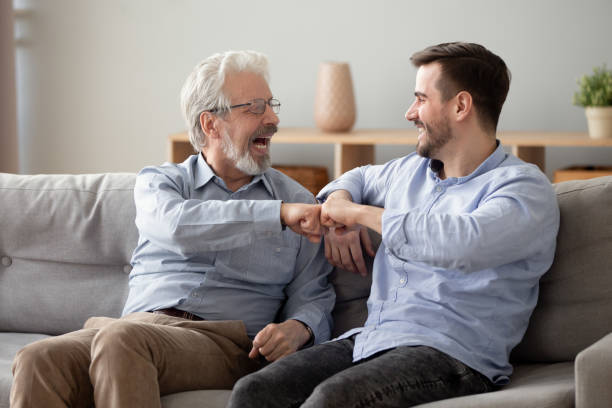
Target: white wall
{"type": "Point", "coordinates": [98, 81]}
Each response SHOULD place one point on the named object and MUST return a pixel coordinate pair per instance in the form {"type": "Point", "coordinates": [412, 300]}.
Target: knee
{"type": "Point", "coordinates": [35, 356]}
{"type": "Point", "coordinates": [248, 390]}
{"type": "Point", "coordinates": [116, 337]}
{"type": "Point", "coordinates": [330, 394]}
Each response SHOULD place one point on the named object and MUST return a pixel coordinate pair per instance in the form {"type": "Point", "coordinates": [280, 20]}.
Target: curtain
{"type": "Point", "coordinates": [9, 153]}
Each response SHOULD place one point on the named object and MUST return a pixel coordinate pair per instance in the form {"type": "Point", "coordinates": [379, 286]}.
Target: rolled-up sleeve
{"type": "Point", "coordinates": [367, 184]}
{"type": "Point", "coordinates": [518, 219]}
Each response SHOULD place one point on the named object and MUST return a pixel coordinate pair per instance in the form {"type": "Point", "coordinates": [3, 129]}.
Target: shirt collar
{"type": "Point", "coordinates": [203, 174]}
{"type": "Point", "coordinates": [490, 163]}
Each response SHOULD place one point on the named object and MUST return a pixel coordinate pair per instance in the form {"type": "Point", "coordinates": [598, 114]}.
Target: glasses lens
{"type": "Point", "coordinates": [275, 105]}
{"type": "Point", "coordinates": [257, 106]}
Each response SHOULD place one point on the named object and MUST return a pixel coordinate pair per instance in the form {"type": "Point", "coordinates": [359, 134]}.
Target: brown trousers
{"type": "Point", "coordinates": [130, 362]}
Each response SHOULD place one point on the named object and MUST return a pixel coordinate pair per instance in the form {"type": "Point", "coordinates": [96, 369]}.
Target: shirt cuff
{"type": "Point", "coordinates": [339, 184]}
{"type": "Point", "coordinates": [310, 341]}
{"type": "Point", "coordinates": [266, 217]}
{"type": "Point", "coordinates": [317, 325]}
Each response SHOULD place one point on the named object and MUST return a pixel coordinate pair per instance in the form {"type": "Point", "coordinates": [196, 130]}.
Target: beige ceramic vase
{"type": "Point", "coordinates": [334, 109]}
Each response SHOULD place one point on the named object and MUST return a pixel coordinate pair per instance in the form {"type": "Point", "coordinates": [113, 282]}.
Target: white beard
{"type": "Point", "coordinates": [244, 161]}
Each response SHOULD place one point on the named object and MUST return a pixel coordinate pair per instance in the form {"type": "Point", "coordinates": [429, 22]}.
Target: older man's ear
{"type": "Point", "coordinates": [208, 123]}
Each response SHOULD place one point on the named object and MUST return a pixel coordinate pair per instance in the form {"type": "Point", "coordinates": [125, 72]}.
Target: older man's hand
{"type": "Point", "coordinates": [279, 340]}
{"type": "Point", "coordinates": [303, 219]}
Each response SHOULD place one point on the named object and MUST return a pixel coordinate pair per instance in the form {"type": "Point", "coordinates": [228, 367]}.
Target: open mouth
{"type": "Point", "coordinates": [420, 131]}
{"type": "Point", "coordinates": [261, 144]}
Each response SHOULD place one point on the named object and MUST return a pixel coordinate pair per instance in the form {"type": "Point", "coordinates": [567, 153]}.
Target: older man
{"type": "Point", "coordinates": [467, 231]}
{"type": "Point", "coordinates": [218, 284]}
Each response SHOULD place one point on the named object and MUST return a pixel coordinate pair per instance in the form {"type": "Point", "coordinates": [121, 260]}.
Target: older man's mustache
{"type": "Point", "coordinates": [264, 130]}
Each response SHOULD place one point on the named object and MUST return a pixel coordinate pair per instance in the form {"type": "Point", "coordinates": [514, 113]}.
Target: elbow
{"type": "Point", "coordinates": [163, 236]}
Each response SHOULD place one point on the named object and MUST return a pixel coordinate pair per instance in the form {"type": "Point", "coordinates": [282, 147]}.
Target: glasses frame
{"type": "Point", "coordinates": [273, 103]}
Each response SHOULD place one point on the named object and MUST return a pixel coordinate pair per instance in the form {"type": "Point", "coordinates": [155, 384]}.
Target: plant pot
{"type": "Point", "coordinates": [599, 121]}
{"type": "Point", "coordinates": [334, 109]}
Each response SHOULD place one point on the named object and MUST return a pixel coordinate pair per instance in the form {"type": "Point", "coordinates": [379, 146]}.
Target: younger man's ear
{"type": "Point", "coordinates": [463, 105]}
{"type": "Point", "coordinates": [208, 122]}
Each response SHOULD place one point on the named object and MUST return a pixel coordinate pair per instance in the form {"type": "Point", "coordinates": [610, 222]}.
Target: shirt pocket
{"type": "Point", "coordinates": [272, 261]}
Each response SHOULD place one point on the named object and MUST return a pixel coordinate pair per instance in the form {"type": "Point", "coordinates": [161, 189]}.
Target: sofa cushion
{"type": "Point", "coordinates": [352, 292]}
{"type": "Point", "coordinates": [10, 343]}
{"type": "Point", "coordinates": [575, 305]}
{"type": "Point", "coordinates": [536, 385]}
{"type": "Point", "coordinates": [65, 247]}
{"type": "Point", "coordinates": [200, 398]}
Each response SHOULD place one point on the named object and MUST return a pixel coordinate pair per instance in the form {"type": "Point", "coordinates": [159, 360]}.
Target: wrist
{"type": "Point", "coordinates": [282, 215]}
{"type": "Point", "coordinates": [309, 337]}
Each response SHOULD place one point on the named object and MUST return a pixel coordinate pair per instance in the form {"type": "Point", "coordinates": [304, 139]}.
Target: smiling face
{"type": "Point", "coordinates": [429, 113]}
{"type": "Point", "coordinates": [245, 135]}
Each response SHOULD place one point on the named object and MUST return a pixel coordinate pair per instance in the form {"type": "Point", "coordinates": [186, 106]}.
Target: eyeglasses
{"type": "Point", "coordinates": [256, 106]}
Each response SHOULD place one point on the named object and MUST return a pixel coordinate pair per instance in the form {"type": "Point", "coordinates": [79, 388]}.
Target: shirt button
{"type": "Point", "coordinates": [6, 261]}
{"type": "Point", "coordinates": [438, 189]}
{"type": "Point", "coordinates": [403, 280]}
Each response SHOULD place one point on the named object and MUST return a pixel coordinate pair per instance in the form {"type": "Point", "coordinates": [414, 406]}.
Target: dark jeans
{"type": "Point", "coordinates": [325, 376]}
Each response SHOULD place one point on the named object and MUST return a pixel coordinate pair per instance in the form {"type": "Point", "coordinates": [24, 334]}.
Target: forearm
{"type": "Point", "coordinates": [191, 226]}
{"type": "Point", "coordinates": [369, 216]}
{"type": "Point", "coordinates": [344, 212]}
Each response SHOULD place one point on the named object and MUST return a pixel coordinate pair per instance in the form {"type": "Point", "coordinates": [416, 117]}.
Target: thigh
{"type": "Point", "coordinates": [292, 378]}
{"type": "Point", "coordinates": [187, 354]}
{"type": "Point", "coordinates": [400, 377]}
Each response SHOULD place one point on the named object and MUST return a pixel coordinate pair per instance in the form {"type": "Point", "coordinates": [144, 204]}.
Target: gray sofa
{"type": "Point", "coordinates": [66, 243]}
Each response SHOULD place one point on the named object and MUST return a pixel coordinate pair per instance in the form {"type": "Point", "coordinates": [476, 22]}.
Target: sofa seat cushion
{"type": "Point", "coordinates": [536, 385]}
{"type": "Point", "coordinates": [533, 385]}
{"type": "Point", "coordinates": [11, 343]}
{"type": "Point", "coordinates": [200, 398]}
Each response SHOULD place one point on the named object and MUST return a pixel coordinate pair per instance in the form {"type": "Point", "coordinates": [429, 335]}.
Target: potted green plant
{"type": "Point", "coordinates": [595, 94]}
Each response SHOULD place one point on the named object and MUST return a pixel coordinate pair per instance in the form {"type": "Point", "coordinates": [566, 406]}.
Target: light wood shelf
{"type": "Point", "coordinates": [356, 148]}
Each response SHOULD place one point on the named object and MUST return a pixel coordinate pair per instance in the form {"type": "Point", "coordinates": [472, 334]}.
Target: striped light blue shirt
{"type": "Point", "coordinates": [460, 259]}
{"type": "Point", "coordinates": [224, 255]}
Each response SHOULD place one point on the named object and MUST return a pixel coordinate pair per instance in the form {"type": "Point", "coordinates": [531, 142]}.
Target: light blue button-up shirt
{"type": "Point", "coordinates": [224, 255]}
{"type": "Point", "coordinates": [460, 259]}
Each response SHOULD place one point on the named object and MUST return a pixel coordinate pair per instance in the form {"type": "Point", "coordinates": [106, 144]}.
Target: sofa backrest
{"type": "Point", "coordinates": [575, 305]}
{"type": "Point", "coordinates": [66, 242]}
{"type": "Point", "coordinates": [65, 247]}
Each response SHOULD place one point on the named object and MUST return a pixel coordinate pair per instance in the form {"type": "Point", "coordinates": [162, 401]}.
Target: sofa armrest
{"type": "Point", "coordinates": [593, 372]}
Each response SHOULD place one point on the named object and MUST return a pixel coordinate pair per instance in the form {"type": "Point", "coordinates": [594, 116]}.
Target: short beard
{"type": "Point", "coordinates": [244, 161]}
{"type": "Point", "coordinates": [437, 135]}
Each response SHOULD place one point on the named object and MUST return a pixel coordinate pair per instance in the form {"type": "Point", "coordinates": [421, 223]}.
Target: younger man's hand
{"type": "Point", "coordinates": [344, 249]}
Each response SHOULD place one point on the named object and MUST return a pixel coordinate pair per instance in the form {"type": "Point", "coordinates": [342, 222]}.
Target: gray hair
{"type": "Point", "coordinates": [203, 89]}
